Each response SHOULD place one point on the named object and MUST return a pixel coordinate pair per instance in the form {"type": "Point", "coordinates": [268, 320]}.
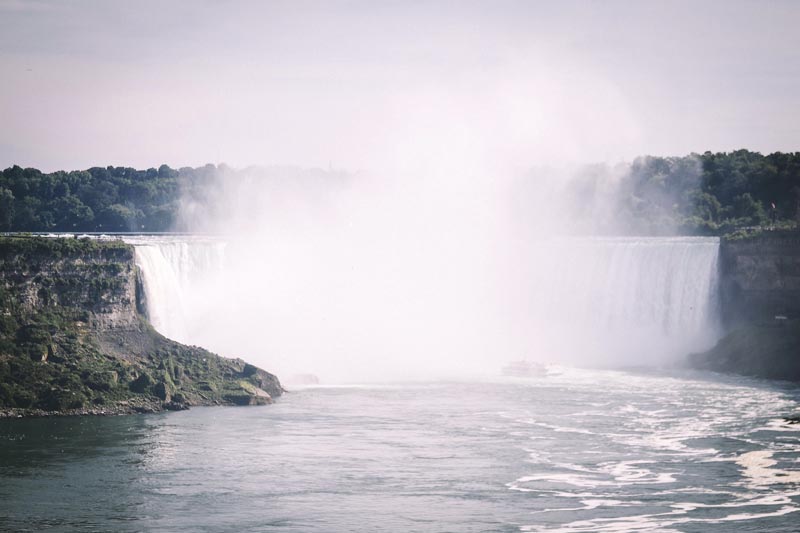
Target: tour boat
{"type": "Point", "coordinates": [524, 369]}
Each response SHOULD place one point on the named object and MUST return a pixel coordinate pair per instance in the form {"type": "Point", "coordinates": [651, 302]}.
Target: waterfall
{"type": "Point", "coordinates": [604, 301]}
{"type": "Point", "coordinates": [174, 271]}
{"type": "Point", "coordinates": [642, 298]}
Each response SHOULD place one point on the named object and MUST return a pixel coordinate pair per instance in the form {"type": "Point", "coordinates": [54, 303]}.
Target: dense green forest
{"type": "Point", "coordinates": [710, 193]}
{"type": "Point", "coordinates": [98, 199]}
{"type": "Point", "coordinates": [698, 194]}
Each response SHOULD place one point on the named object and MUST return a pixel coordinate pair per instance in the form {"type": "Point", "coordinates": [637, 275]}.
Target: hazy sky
{"type": "Point", "coordinates": [357, 83]}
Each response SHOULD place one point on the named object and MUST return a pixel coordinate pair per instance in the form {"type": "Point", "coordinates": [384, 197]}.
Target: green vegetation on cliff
{"type": "Point", "coordinates": [71, 339]}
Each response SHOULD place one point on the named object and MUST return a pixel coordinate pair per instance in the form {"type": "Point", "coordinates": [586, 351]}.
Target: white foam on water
{"type": "Point", "coordinates": [779, 425]}
{"type": "Point", "coordinates": [608, 474]}
{"type": "Point", "coordinates": [555, 427]}
{"type": "Point", "coordinates": [658, 522]}
{"type": "Point", "coordinates": [758, 467]}
{"type": "Point", "coordinates": [661, 422]}
{"type": "Point", "coordinates": [591, 504]}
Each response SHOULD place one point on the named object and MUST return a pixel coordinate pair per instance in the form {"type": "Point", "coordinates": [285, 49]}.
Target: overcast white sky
{"type": "Point", "coordinates": [356, 83]}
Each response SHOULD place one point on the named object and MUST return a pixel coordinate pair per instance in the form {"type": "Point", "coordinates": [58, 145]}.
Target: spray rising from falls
{"type": "Point", "coordinates": [596, 301]}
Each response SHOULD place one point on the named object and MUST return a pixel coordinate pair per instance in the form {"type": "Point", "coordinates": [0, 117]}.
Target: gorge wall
{"type": "Point", "coordinates": [760, 277]}
{"type": "Point", "coordinates": [73, 339]}
{"type": "Point", "coordinates": [760, 303]}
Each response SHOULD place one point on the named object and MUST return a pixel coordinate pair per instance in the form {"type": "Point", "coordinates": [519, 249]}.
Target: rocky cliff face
{"type": "Point", "coordinates": [760, 277]}
{"type": "Point", "coordinates": [760, 297]}
{"type": "Point", "coordinates": [92, 277]}
{"type": "Point", "coordinates": [73, 341]}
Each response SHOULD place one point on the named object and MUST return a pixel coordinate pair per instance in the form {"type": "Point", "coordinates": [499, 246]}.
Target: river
{"type": "Point", "coordinates": [583, 450]}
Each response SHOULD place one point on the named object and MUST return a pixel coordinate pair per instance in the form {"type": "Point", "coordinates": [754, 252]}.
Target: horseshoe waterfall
{"type": "Point", "coordinates": [593, 301]}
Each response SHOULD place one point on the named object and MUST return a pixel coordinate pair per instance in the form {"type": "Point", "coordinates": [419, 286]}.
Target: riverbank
{"type": "Point", "coordinates": [125, 407]}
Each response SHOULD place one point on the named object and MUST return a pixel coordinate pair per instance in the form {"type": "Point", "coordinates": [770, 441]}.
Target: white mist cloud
{"type": "Point", "coordinates": [426, 272]}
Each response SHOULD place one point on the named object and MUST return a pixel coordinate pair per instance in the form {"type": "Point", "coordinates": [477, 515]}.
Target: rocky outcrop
{"type": "Point", "coordinates": [760, 349]}
{"type": "Point", "coordinates": [72, 340]}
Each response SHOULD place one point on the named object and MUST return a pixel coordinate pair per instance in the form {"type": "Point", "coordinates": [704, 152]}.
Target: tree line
{"type": "Point", "coordinates": [110, 199]}
{"type": "Point", "coordinates": [696, 194]}
{"type": "Point", "coordinates": [736, 189]}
